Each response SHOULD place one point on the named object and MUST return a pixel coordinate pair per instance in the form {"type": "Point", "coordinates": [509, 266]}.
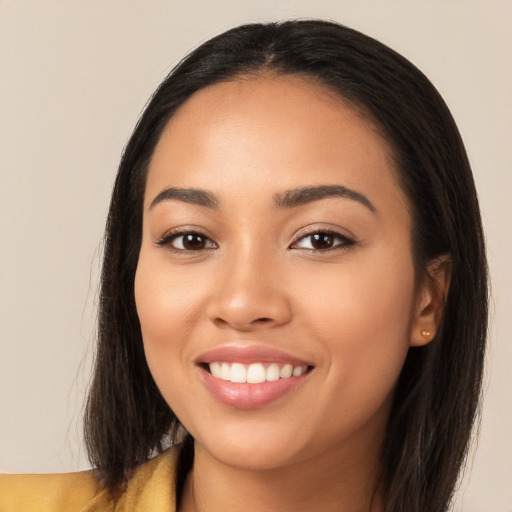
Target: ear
{"type": "Point", "coordinates": [431, 300]}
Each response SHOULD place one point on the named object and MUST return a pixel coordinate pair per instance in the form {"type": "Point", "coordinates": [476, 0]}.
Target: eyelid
{"type": "Point", "coordinates": [347, 240]}
{"type": "Point", "coordinates": [344, 240]}
{"type": "Point", "coordinates": [165, 240]}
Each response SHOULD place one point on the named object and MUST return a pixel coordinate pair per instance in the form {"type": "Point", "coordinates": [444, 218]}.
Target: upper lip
{"type": "Point", "coordinates": [248, 354]}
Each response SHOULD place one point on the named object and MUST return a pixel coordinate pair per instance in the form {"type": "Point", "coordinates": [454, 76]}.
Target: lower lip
{"type": "Point", "coordinates": [249, 396]}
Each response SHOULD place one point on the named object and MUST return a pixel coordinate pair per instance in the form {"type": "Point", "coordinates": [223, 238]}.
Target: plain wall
{"type": "Point", "coordinates": [74, 77]}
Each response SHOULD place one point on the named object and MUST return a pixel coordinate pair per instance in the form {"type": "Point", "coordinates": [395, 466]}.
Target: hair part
{"type": "Point", "coordinates": [438, 392]}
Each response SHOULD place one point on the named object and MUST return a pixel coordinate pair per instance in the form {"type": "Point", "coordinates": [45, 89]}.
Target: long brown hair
{"type": "Point", "coordinates": [437, 395]}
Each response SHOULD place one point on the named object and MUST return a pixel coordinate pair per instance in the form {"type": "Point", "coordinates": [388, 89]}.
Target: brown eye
{"type": "Point", "coordinates": [193, 242]}
{"type": "Point", "coordinates": [187, 242]}
{"type": "Point", "coordinates": [323, 241]}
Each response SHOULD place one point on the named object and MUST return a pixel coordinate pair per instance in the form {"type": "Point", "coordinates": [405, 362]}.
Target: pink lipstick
{"type": "Point", "coordinates": [249, 377]}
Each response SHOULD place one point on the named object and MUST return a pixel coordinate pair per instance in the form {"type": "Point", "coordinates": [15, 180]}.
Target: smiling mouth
{"type": "Point", "coordinates": [254, 373]}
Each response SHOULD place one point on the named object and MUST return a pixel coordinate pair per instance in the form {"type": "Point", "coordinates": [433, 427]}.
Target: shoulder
{"type": "Point", "coordinates": [151, 487]}
{"type": "Point", "coordinates": [57, 492]}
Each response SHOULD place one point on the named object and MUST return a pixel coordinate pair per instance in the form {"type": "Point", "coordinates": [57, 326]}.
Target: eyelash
{"type": "Point", "coordinates": [344, 242]}
{"type": "Point", "coordinates": [167, 240]}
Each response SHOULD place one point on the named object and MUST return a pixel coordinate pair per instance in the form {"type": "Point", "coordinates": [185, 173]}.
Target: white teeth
{"type": "Point", "coordinates": [254, 373]}
{"type": "Point", "coordinates": [215, 369]}
{"type": "Point", "coordinates": [298, 370]}
{"type": "Point", "coordinates": [286, 371]}
{"type": "Point", "coordinates": [238, 373]}
{"type": "Point", "coordinates": [272, 372]}
{"type": "Point", "coordinates": [225, 371]}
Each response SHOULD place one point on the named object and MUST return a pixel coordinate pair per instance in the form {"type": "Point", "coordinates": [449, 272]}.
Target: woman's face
{"type": "Point", "coordinates": [276, 241]}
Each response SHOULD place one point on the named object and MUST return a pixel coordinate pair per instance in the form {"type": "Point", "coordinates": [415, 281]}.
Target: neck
{"type": "Point", "coordinates": [334, 481]}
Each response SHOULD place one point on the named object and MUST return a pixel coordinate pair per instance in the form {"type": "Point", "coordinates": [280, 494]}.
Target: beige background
{"type": "Point", "coordinates": [74, 76]}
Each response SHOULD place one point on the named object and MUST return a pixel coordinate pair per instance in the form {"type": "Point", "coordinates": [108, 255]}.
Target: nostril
{"type": "Point", "coordinates": [262, 320]}
{"type": "Point", "coordinates": [221, 322]}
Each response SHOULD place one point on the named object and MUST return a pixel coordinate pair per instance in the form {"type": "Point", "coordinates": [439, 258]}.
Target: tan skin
{"type": "Point", "coordinates": [329, 281]}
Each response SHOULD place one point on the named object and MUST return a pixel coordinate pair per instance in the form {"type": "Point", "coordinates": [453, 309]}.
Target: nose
{"type": "Point", "coordinates": [249, 295]}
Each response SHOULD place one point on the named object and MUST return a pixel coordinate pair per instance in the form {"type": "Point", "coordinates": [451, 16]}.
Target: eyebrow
{"type": "Point", "coordinates": [187, 195]}
{"type": "Point", "coordinates": [301, 196]}
{"type": "Point", "coordinates": [288, 199]}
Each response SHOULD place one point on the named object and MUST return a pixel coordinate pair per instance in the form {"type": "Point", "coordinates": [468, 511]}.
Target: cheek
{"type": "Point", "coordinates": [167, 301]}
{"type": "Point", "coordinates": [362, 315]}
{"type": "Point", "coordinates": [370, 298]}
{"type": "Point", "coordinates": [168, 307]}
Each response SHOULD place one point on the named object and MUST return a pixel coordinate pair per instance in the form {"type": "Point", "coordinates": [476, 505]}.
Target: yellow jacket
{"type": "Point", "coordinates": [151, 488]}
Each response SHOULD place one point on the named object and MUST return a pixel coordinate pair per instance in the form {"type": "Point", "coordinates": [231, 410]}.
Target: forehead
{"type": "Point", "coordinates": [271, 132]}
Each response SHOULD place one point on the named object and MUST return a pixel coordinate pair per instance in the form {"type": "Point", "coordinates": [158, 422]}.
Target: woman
{"type": "Point", "coordinates": [294, 289]}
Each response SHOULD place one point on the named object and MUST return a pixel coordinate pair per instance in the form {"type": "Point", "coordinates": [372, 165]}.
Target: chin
{"type": "Point", "coordinates": [250, 458]}
{"type": "Point", "coordinates": [257, 449]}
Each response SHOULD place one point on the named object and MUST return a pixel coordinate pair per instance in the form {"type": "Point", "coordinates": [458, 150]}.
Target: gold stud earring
{"type": "Point", "coordinates": [426, 334]}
